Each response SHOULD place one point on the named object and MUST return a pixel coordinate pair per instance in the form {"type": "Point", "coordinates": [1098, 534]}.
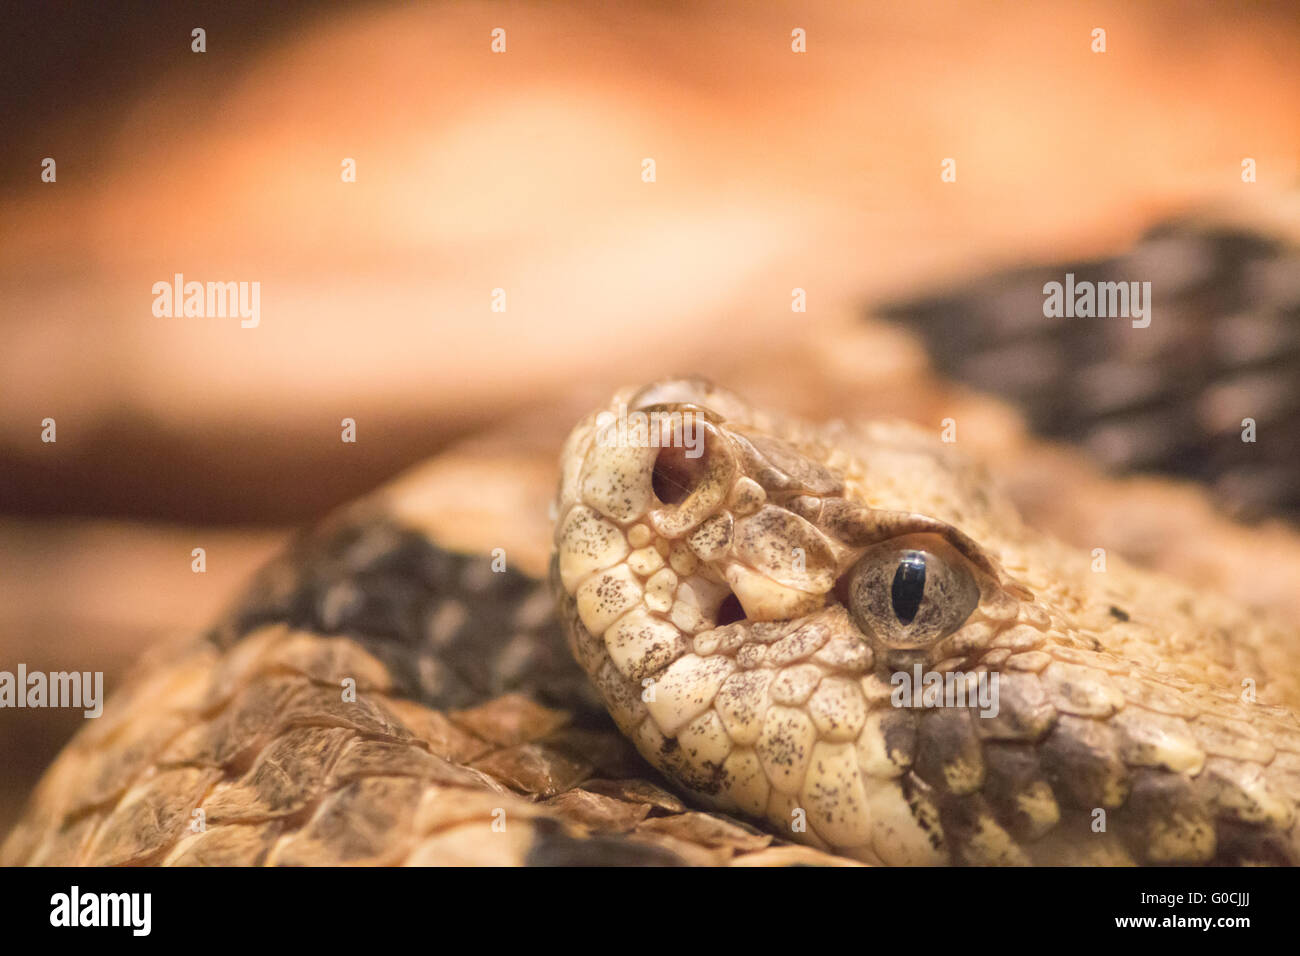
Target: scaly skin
{"type": "Point", "coordinates": [1137, 720]}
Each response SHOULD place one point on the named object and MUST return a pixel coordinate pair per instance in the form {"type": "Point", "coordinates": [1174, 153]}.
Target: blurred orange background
{"type": "Point", "coordinates": [518, 171]}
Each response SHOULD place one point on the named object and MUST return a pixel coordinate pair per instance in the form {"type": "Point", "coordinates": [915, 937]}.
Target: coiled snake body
{"type": "Point", "coordinates": [749, 616]}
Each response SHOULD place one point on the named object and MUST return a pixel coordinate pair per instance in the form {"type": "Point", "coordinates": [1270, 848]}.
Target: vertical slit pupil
{"type": "Point", "coordinates": [908, 588]}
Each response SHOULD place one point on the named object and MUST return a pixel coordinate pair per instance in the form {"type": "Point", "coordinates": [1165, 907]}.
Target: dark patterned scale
{"type": "Point", "coordinates": [1223, 345]}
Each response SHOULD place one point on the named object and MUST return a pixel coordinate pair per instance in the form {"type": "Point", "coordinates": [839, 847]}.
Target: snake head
{"type": "Point", "coordinates": [749, 594]}
{"type": "Point", "coordinates": [739, 602]}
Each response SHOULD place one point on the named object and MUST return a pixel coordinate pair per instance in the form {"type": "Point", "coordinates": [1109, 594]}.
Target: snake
{"type": "Point", "coordinates": [757, 640]}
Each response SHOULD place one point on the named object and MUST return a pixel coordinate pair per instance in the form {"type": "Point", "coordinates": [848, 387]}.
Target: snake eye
{"type": "Point", "coordinates": [910, 593]}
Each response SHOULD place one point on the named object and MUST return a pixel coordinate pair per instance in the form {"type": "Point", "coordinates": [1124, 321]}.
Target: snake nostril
{"type": "Point", "coordinates": [730, 611]}
{"type": "Point", "coordinates": [676, 474]}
